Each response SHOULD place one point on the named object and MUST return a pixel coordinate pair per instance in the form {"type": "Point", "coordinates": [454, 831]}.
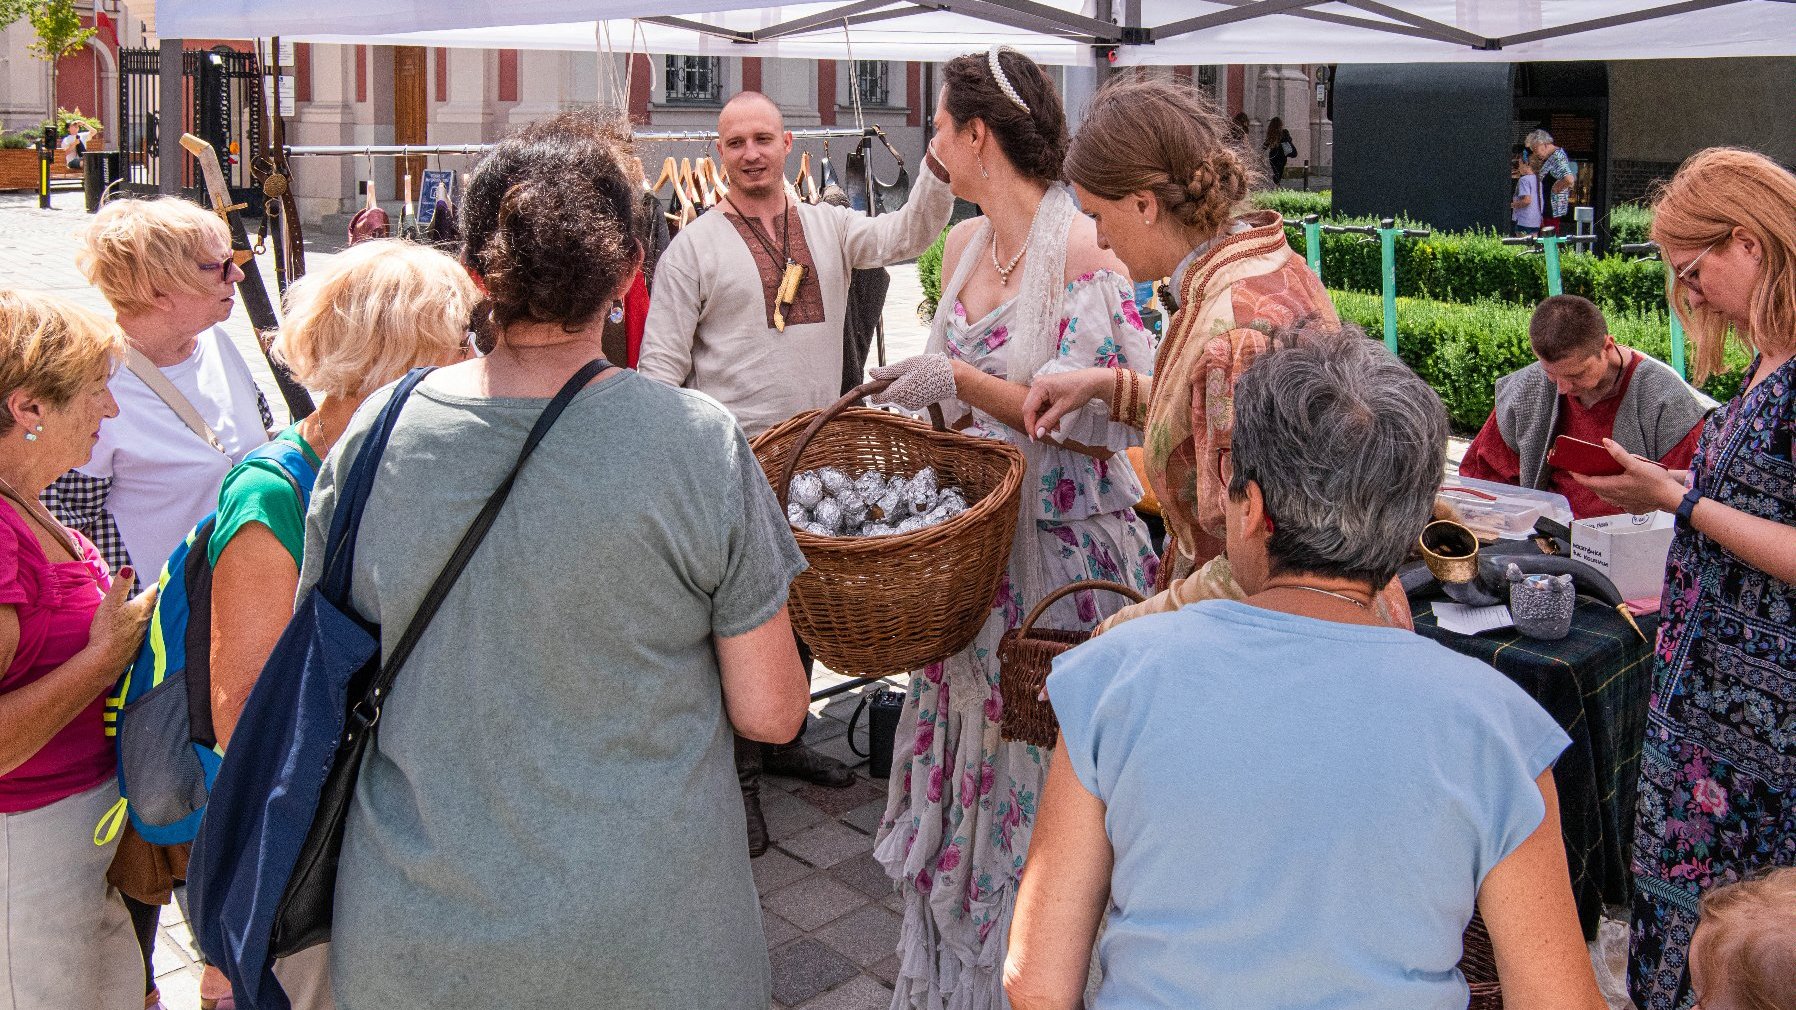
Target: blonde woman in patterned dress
{"type": "Point", "coordinates": [1154, 166]}
{"type": "Point", "coordinates": [1028, 292]}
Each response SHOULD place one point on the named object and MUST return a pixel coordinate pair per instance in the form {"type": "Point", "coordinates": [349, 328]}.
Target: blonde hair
{"type": "Point", "coordinates": [1716, 191]}
{"type": "Point", "coordinates": [1748, 937]}
{"type": "Point", "coordinates": [135, 250]}
{"type": "Point", "coordinates": [373, 311]}
{"type": "Point", "coordinates": [50, 347]}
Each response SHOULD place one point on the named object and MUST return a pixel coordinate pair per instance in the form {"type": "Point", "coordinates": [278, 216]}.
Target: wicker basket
{"type": "Point", "coordinates": [878, 605]}
{"type": "Point", "coordinates": [1026, 654]}
{"type": "Point", "coordinates": [1478, 963]}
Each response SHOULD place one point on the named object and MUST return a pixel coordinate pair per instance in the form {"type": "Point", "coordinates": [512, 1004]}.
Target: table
{"type": "Point", "coordinates": [1595, 683]}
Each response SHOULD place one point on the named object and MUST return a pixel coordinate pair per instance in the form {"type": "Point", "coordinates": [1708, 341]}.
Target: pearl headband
{"type": "Point", "coordinates": [1004, 85]}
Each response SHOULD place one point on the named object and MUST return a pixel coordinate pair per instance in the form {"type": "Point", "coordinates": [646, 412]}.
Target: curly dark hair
{"type": "Point", "coordinates": [1034, 141]}
{"type": "Point", "coordinates": [548, 220]}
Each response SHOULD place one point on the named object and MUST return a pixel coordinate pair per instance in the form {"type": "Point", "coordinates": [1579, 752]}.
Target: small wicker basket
{"type": "Point", "coordinates": [880, 605]}
{"type": "Point", "coordinates": [1025, 657]}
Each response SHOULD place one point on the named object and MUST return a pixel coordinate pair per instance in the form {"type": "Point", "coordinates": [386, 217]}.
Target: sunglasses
{"type": "Point", "coordinates": [222, 269]}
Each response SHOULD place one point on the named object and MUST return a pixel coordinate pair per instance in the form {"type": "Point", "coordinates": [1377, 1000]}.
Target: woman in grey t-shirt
{"type": "Point", "coordinates": [550, 816]}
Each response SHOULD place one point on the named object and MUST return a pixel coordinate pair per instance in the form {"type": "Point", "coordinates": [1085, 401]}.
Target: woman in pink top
{"type": "Point", "coordinates": [66, 632]}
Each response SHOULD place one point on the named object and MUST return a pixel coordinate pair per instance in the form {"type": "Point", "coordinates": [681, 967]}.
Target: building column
{"type": "Point", "coordinates": [467, 115]}
{"type": "Point", "coordinates": [326, 114]}
{"type": "Point", "coordinates": [542, 86]}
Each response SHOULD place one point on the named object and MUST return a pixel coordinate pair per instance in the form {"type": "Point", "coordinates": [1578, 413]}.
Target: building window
{"type": "Point", "coordinates": [694, 80]}
{"type": "Point", "coordinates": [871, 82]}
{"type": "Point", "coordinates": [1208, 79]}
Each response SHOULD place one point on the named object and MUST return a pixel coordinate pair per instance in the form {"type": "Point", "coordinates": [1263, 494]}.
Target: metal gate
{"type": "Point", "coordinates": [221, 100]}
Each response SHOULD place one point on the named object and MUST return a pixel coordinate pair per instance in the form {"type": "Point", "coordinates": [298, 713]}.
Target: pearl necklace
{"type": "Point", "coordinates": [1005, 270]}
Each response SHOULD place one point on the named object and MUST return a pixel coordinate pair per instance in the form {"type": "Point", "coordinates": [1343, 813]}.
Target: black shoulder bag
{"type": "Point", "coordinates": [303, 918]}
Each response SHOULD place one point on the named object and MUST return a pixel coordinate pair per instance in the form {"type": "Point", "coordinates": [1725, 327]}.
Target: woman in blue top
{"type": "Point", "coordinates": [1280, 801]}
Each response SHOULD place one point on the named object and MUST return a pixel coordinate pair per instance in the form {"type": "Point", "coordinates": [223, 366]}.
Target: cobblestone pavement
{"type": "Point", "coordinates": [828, 906]}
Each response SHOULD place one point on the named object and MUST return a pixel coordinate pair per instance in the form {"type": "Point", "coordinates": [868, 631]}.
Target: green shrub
{"type": "Point", "coordinates": [1462, 350]}
{"type": "Point", "coordinates": [1477, 266]}
{"type": "Point", "coordinates": [929, 272]}
{"type": "Point", "coordinates": [16, 141]}
{"type": "Point", "coordinates": [1294, 203]}
{"type": "Point", "coordinates": [1630, 223]}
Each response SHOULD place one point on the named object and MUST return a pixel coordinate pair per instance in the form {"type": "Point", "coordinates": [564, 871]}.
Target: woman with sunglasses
{"type": "Point", "coordinates": [1718, 772]}
{"type": "Point", "coordinates": [188, 410]}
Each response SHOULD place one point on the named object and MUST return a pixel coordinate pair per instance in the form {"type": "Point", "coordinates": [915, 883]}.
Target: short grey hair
{"type": "Point", "coordinates": [1537, 137]}
{"type": "Point", "coordinates": [1348, 446]}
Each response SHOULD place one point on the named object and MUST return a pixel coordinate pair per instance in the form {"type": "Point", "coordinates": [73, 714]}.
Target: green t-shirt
{"type": "Point", "coordinates": [259, 491]}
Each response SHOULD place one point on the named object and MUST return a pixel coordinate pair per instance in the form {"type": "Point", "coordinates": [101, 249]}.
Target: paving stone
{"type": "Point", "coordinates": [180, 988]}
{"type": "Point", "coordinates": [818, 728]}
{"type": "Point", "coordinates": [181, 937]}
{"type": "Point", "coordinates": [867, 816]}
{"type": "Point", "coordinates": [894, 901]}
{"type": "Point", "coordinates": [805, 968]}
{"type": "Point", "coordinates": [859, 993]}
{"type": "Point", "coordinates": [837, 748]}
{"type": "Point", "coordinates": [886, 971]}
{"type": "Point", "coordinates": [837, 802]}
{"type": "Point", "coordinates": [787, 815]}
{"type": "Point", "coordinates": [813, 901]}
{"type": "Point", "coordinates": [775, 870]}
{"type": "Point", "coordinates": [826, 844]}
{"type": "Point", "coordinates": [865, 936]}
{"type": "Point", "coordinates": [864, 874]}
{"type": "Point", "coordinates": [778, 930]}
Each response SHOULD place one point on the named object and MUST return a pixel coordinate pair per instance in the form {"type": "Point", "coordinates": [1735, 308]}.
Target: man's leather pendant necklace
{"type": "Point", "coordinates": [787, 292]}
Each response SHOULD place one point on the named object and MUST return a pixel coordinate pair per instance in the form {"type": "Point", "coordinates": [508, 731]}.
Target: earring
{"type": "Point", "coordinates": [983, 174]}
{"type": "Point", "coordinates": [31, 436]}
{"type": "Point", "coordinates": [617, 311]}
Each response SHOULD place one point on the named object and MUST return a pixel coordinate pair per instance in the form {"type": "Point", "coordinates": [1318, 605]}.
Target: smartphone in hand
{"type": "Point", "coordinates": [1574, 455]}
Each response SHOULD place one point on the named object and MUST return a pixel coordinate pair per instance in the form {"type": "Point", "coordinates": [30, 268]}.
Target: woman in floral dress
{"type": "Point", "coordinates": [1718, 772]}
{"type": "Point", "coordinates": [962, 801]}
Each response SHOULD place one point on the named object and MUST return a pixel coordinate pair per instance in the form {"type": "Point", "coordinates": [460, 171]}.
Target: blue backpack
{"type": "Point", "coordinates": [161, 715]}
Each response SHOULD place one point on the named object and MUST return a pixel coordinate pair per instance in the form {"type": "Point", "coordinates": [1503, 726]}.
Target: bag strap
{"type": "Point", "coordinates": [367, 711]}
{"type": "Point", "coordinates": [346, 520]}
{"type": "Point", "coordinates": [151, 376]}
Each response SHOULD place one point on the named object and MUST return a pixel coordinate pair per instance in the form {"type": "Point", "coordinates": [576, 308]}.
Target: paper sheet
{"type": "Point", "coordinates": [1464, 620]}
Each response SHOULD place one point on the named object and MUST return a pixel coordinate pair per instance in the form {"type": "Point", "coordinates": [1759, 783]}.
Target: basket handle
{"type": "Point", "coordinates": [827, 415]}
{"type": "Point", "coordinates": [1047, 601]}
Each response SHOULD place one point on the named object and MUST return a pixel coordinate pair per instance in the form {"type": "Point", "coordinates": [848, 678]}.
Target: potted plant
{"type": "Point", "coordinates": [57, 24]}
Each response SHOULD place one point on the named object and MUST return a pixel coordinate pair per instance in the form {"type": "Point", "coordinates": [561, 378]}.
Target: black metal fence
{"type": "Point", "coordinates": [221, 100]}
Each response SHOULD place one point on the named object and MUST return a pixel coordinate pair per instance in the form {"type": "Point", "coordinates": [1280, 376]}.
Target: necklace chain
{"type": "Point", "coordinates": [35, 510]}
{"type": "Point", "coordinates": [1325, 592]}
{"type": "Point", "coordinates": [754, 227]}
{"type": "Point", "coordinates": [1005, 270]}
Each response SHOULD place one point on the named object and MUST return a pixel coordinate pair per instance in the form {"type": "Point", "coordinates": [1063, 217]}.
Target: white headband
{"type": "Point", "coordinates": [1004, 85]}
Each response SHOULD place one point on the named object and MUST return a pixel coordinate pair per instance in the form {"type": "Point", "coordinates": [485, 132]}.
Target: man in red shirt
{"type": "Point", "coordinates": [1587, 386]}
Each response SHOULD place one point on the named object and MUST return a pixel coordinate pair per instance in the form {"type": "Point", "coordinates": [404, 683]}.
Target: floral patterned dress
{"type": "Point", "coordinates": [962, 802]}
{"type": "Point", "coordinates": [1718, 773]}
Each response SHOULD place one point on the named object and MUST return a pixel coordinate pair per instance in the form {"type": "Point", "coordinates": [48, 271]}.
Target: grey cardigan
{"type": "Point", "coordinates": [1657, 411]}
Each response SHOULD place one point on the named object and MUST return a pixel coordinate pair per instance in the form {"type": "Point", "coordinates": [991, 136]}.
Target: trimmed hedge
{"type": "Point", "coordinates": [1472, 267]}
{"type": "Point", "coordinates": [1294, 203]}
{"type": "Point", "coordinates": [1461, 350]}
{"type": "Point", "coordinates": [1630, 223]}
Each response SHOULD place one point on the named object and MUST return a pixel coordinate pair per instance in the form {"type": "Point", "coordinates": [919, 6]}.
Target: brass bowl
{"type": "Point", "coordinates": [1450, 550]}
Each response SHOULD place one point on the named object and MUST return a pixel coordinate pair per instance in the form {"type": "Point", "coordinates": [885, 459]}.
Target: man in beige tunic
{"type": "Point", "coordinates": [712, 320]}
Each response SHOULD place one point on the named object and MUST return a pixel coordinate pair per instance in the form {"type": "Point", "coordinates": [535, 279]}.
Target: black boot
{"type": "Point", "coordinates": [748, 775]}
{"type": "Point", "coordinates": [795, 760]}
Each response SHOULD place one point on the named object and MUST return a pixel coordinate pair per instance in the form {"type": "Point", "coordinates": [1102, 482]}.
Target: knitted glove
{"type": "Point", "coordinates": [917, 381]}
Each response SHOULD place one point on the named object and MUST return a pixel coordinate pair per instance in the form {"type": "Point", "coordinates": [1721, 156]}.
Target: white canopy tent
{"type": "Point", "coordinates": [1071, 32]}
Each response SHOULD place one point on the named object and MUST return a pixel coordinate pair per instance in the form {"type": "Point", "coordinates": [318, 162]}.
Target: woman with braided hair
{"type": "Point", "coordinates": [1028, 292]}
{"type": "Point", "coordinates": [1155, 167]}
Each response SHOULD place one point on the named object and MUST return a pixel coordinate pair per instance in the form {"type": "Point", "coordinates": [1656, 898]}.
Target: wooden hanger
{"type": "Point", "coordinates": [670, 170]}
{"type": "Point", "coordinates": [707, 194]}
{"type": "Point", "coordinates": [719, 180]}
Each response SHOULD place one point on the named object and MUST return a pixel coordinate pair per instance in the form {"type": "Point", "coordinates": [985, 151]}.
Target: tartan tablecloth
{"type": "Point", "coordinates": [1595, 683]}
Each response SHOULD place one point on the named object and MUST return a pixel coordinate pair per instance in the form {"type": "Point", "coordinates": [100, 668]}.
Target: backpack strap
{"type": "Point", "coordinates": [294, 465]}
{"type": "Point", "coordinates": [346, 520]}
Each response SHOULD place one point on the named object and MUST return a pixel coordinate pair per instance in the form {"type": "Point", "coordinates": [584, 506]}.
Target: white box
{"type": "Point", "coordinates": [1632, 554]}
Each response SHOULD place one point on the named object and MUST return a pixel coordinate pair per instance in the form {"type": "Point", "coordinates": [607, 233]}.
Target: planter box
{"type": "Point", "coordinates": [18, 169]}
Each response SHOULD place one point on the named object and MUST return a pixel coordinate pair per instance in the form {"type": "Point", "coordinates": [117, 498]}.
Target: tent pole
{"type": "Point", "coordinates": [1443, 32]}
{"type": "Point", "coordinates": [1596, 24]}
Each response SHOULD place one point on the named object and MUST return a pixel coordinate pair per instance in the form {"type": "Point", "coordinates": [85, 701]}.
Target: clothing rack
{"type": "Point", "coordinates": [470, 150]}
